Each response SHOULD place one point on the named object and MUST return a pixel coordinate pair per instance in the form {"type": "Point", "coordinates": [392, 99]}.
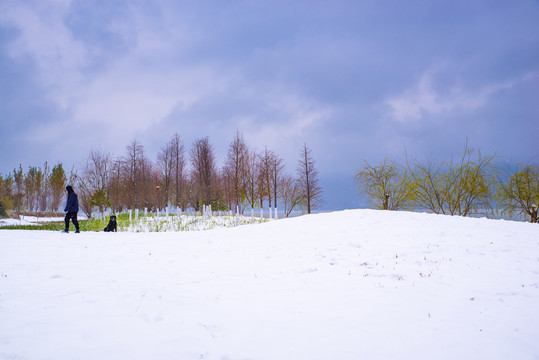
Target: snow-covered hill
{"type": "Point", "coordinates": [356, 284]}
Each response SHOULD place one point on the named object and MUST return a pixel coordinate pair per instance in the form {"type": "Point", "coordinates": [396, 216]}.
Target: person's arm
{"type": "Point", "coordinates": [69, 202]}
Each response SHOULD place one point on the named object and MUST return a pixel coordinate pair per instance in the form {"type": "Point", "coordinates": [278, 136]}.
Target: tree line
{"type": "Point", "coordinates": [248, 179]}
{"type": "Point", "coordinates": [471, 184]}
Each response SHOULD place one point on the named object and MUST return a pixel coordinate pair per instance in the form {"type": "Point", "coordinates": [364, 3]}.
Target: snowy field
{"type": "Point", "coordinates": [356, 284]}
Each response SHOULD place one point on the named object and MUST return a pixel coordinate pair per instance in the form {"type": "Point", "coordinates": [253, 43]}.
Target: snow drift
{"type": "Point", "coordinates": [356, 284]}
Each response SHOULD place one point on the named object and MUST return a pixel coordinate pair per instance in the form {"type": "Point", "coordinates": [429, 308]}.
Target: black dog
{"type": "Point", "coordinates": [111, 226]}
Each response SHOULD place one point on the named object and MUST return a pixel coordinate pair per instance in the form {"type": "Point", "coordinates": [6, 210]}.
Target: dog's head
{"type": "Point", "coordinates": [113, 218]}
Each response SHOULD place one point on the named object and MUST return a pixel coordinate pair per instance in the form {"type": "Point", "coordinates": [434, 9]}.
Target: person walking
{"type": "Point", "coordinates": [71, 209]}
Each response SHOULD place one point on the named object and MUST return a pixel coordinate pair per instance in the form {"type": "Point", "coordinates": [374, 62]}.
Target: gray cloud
{"type": "Point", "coordinates": [352, 79]}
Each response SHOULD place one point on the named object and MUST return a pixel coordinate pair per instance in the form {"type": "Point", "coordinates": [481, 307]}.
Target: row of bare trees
{"type": "Point", "coordinates": [248, 179]}
{"type": "Point", "coordinates": [472, 184]}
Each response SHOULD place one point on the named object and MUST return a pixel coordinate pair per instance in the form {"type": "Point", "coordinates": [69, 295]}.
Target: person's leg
{"type": "Point", "coordinates": [75, 221]}
{"type": "Point", "coordinates": [66, 221]}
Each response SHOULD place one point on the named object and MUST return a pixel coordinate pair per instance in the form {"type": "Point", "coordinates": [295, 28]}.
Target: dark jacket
{"type": "Point", "coordinates": [72, 200]}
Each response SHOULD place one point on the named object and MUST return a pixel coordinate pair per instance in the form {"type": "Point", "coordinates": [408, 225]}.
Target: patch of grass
{"type": "Point", "coordinates": [84, 225]}
{"type": "Point", "coordinates": [51, 226]}
{"type": "Point", "coordinates": [149, 223]}
{"type": "Point", "coordinates": [93, 224]}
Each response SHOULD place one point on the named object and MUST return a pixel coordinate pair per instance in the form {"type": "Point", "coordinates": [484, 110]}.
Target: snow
{"type": "Point", "coordinates": [28, 220]}
{"type": "Point", "coordinates": [357, 284]}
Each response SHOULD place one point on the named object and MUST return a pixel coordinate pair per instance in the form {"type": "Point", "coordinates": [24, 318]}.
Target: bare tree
{"type": "Point", "coordinates": [226, 185]}
{"type": "Point", "coordinates": [203, 170]}
{"type": "Point", "coordinates": [308, 179]}
{"type": "Point", "coordinates": [251, 170]}
{"type": "Point", "coordinates": [98, 169]}
{"type": "Point", "coordinates": [165, 164]}
{"type": "Point", "coordinates": [262, 191]}
{"type": "Point", "coordinates": [94, 181]}
{"type": "Point", "coordinates": [116, 185]}
{"type": "Point", "coordinates": [235, 169]}
{"type": "Point", "coordinates": [277, 167]}
{"type": "Point", "coordinates": [132, 166]}
{"type": "Point", "coordinates": [178, 159]}
{"type": "Point", "coordinates": [291, 194]}
{"type": "Point", "coordinates": [266, 175]}
{"type": "Point", "coordinates": [150, 196]}
{"type": "Point", "coordinates": [83, 188]}
{"type": "Point", "coordinates": [73, 176]}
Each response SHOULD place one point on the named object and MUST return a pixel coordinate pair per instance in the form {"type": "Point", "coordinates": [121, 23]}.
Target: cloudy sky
{"type": "Point", "coordinates": [353, 80]}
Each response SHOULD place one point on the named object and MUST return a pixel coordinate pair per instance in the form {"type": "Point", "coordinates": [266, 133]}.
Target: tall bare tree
{"type": "Point", "coordinates": [226, 187]}
{"type": "Point", "coordinates": [266, 175]}
{"type": "Point", "coordinates": [116, 185]}
{"type": "Point", "coordinates": [203, 170]}
{"type": "Point", "coordinates": [308, 179]}
{"type": "Point", "coordinates": [132, 166]}
{"type": "Point", "coordinates": [251, 171]}
{"type": "Point", "coordinates": [98, 169]}
{"type": "Point", "coordinates": [93, 182]}
{"type": "Point", "coordinates": [277, 167]}
{"type": "Point", "coordinates": [235, 168]}
{"type": "Point", "coordinates": [165, 164]}
{"type": "Point", "coordinates": [149, 195]}
{"type": "Point", "coordinates": [261, 181]}
{"type": "Point", "coordinates": [178, 159]}
{"type": "Point", "coordinates": [83, 188]}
